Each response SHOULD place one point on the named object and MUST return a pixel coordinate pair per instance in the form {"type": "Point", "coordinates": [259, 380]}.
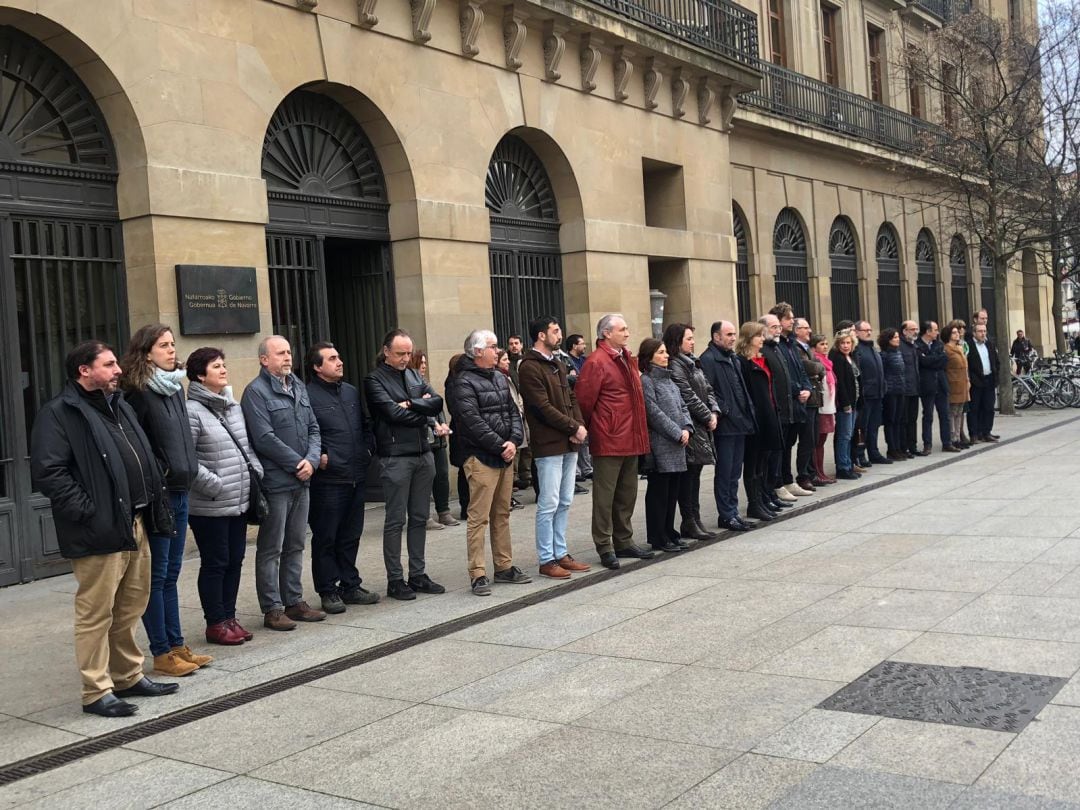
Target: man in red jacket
{"type": "Point", "coordinates": [609, 393]}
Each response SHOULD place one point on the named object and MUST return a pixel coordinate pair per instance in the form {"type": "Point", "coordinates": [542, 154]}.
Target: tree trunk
{"type": "Point", "coordinates": [1001, 334]}
{"type": "Point", "coordinates": [1056, 307]}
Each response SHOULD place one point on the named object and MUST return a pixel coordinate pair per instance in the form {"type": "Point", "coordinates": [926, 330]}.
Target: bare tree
{"type": "Point", "coordinates": [1006, 97]}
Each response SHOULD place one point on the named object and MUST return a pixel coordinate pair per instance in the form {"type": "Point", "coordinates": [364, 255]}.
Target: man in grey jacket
{"type": "Point", "coordinates": [282, 428]}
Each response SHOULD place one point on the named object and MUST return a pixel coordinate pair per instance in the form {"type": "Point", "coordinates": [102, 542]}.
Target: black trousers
{"type": "Point", "coordinates": [440, 487]}
{"type": "Point", "coordinates": [689, 491]}
{"type": "Point", "coordinates": [791, 436]}
{"type": "Point", "coordinates": [911, 422]}
{"type": "Point", "coordinates": [936, 402]}
{"type": "Point", "coordinates": [336, 518]}
{"type": "Point", "coordinates": [660, 498]}
{"type": "Point", "coordinates": [804, 456]}
{"type": "Point", "coordinates": [222, 542]}
{"type": "Point", "coordinates": [893, 420]}
{"type": "Point", "coordinates": [755, 469]}
{"type": "Point", "coordinates": [981, 414]}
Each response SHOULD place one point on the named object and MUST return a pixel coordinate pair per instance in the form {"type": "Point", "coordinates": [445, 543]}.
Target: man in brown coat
{"type": "Point", "coordinates": [556, 429]}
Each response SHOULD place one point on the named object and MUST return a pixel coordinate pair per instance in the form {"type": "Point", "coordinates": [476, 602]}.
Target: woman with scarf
{"type": "Point", "coordinates": [768, 438]}
{"type": "Point", "coordinates": [827, 411]}
{"type": "Point", "coordinates": [698, 397]}
{"type": "Point", "coordinates": [151, 384]}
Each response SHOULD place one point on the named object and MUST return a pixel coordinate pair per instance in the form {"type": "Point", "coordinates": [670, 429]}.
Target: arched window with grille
{"type": "Point", "coordinates": [742, 264]}
{"type": "Point", "coordinates": [959, 274]}
{"type": "Point", "coordinates": [986, 282]}
{"type": "Point", "coordinates": [789, 250]}
{"type": "Point", "coordinates": [926, 276]}
{"type": "Point", "coordinates": [887, 256]}
{"type": "Point", "coordinates": [524, 257]}
{"type": "Point", "coordinates": [844, 266]}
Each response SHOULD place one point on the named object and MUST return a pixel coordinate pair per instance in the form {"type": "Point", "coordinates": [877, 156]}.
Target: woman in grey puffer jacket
{"type": "Point", "coordinates": [670, 429]}
{"type": "Point", "coordinates": [221, 492]}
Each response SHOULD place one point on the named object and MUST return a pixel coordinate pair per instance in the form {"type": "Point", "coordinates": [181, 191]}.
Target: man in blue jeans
{"type": "Point", "coordinates": [556, 430]}
{"type": "Point", "coordinates": [736, 421]}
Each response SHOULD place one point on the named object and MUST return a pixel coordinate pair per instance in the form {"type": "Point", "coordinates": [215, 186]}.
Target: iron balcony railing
{"type": "Point", "coordinates": [945, 9]}
{"type": "Point", "coordinates": [720, 26]}
{"type": "Point", "coordinates": [801, 98]}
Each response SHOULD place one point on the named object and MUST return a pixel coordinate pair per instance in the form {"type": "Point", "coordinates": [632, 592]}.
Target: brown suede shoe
{"type": "Point", "coordinates": [303, 612]}
{"type": "Point", "coordinates": [186, 654]}
{"type": "Point", "coordinates": [172, 664]}
{"type": "Point", "coordinates": [277, 620]}
{"type": "Point", "coordinates": [553, 570]}
{"type": "Point", "coordinates": [570, 564]}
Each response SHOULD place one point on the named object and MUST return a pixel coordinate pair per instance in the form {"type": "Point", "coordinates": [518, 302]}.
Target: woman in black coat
{"type": "Point", "coordinates": [847, 396]}
{"type": "Point", "coordinates": [892, 363]}
{"type": "Point", "coordinates": [767, 438]}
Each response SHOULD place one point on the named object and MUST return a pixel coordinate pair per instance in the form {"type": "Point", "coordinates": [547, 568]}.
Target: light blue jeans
{"type": "Point", "coordinates": [845, 427]}
{"type": "Point", "coordinates": [555, 475]}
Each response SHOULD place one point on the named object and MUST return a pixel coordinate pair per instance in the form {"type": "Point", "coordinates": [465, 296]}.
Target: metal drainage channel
{"type": "Point", "coordinates": [58, 757]}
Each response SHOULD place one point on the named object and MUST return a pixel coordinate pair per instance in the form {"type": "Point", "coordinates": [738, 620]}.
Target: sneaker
{"type": "Point", "coordinates": [422, 583]}
{"type": "Point", "coordinates": [397, 589]}
{"type": "Point", "coordinates": [516, 504]}
{"type": "Point", "coordinates": [570, 564]}
{"type": "Point", "coordinates": [303, 612]}
{"type": "Point", "coordinates": [481, 586]}
{"type": "Point", "coordinates": [553, 570]}
{"type": "Point", "coordinates": [277, 620]}
{"type": "Point", "coordinates": [332, 603]}
{"type": "Point", "coordinates": [433, 525]}
{"type": "Point", "coordinates": [513, 575]}
{"type": "Point", "coordinates": [359, 596]}
{"type": "Point", "coordinates": [446, 519]}
{"type": "Point", "coordinates": [186, 653]}
{"type": "Point", "coordinates": [172, 664]}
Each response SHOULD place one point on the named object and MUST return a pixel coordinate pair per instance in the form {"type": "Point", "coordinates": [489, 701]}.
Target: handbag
{"type": "Point", "coordinates": [258, 504]}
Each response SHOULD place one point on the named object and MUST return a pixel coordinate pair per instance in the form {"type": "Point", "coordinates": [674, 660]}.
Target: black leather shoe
{"type": "Point", "coordinates": [759, 512]}
{"type": "Point", "coordinates": [747, 525]}
{"type": "Point", "coordinates": [848, 475]}
{"type": "Point", "coordinates": [111, 706]}
{"type": "Point", "coordinates": [734, 525]}
{"type": "Point", "coordinates": [609, 560]}
{"type": "Point", "coordinates": [992, 436]}
{"type": "Point", "coordinates": [880, 460]}
{"type": "Point", "coordinates": [634, 552]}
{"type": "Point", "coordinates": [424, 584]}
{"type": "Point", "coordinates": [145, 687]}
{"type": "Point", "coordinates": [397, 589]}
{"type": "Point", "coordinates": [950, 449]}
{"type": "Point", "coordinates": [924, 452]}
{"type": "Point", "coordinates": [671, 547]}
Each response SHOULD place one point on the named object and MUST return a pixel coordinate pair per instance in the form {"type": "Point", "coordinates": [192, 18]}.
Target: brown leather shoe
{"type": "Point", "coordinates": [277, 620]}
{"type": "Point", "coordinates": [172, 664]}
{"type": "Point", "coordinates": [186, 654]}
{"type": "Point", "coordinates": [553, 570]}
{"type": "Point", "coordinates": [570, 564]}
{"type": "Point", "coordinates": [303, 612]}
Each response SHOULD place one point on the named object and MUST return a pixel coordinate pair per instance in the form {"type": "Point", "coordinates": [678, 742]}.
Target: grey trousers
{"type": "Point", "coordinates": [406, 485]}
{"type": "Point", "coordinates": [279, 550]}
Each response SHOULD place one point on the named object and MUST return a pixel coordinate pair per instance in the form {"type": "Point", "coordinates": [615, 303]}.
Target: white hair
{"type": "Point", "coordinates": [607, 323]}
{"type": "Point", "coordinates": [477, 341]}
{"type": "Point", "coordinates": [264, 344]}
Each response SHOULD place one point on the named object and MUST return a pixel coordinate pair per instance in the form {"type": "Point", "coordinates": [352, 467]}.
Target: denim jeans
{"type": "Point", "coordinates": [729, 465]}
{"type": "Point", "coordinates": [555, 475]}
{"type": "Point", "coordinates": [279, 551]}
{"type": "Point", "coordinates": [336, 518]}
{"type": "Point", "coordinates": [162, 616]}
{"type": "Point", "coordinates": [222, 543]}
{"type": "Point", "coordinates": [845, 426]}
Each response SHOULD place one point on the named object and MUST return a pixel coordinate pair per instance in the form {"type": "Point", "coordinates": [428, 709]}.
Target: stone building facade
{"type": "Point", "coordinates": [443, 165]}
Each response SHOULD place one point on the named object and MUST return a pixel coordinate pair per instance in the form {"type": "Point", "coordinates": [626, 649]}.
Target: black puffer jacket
{"type": "Point", "coordinates": [346, 439]}
{"type": "Point", "coordinates": [892, 362]}
{"type": "Point", "coordinates": [698, 396]}
{"type": "Point", "coordinates": [165, 422]}
{"type": "Point", "coordinates": [75, 463]}
{"type": "Point", "coordinates": [401, 431]}
{"type": "Point", "coordinates": [484, 414]}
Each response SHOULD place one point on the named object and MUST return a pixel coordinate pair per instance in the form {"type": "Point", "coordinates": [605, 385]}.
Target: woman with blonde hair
{"type": "Point", "coordinates": [847, 395]}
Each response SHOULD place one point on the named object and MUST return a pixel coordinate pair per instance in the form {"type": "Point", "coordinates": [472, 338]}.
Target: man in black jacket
{"type": "Point", "coordinates": [489, 430]}
{"type": "Point", "coordinates": [798, 430]}
{"type": "Point", "coordinates": [872, 390]}
{"type": "Point", "coordinates": [91, 459]}
{"type": "Point", "coordinates": [909, 333]}
{"type": "Point", "coordinates": [736, 422]}
{"type": "Point", "coordinates": [403, 408]}
{"type": "Point", "coordinates": [983, 368]}
{"type": "Point", "coordinates": [336, 516]}
{"type": "Point", "coordinates": [933, 388]}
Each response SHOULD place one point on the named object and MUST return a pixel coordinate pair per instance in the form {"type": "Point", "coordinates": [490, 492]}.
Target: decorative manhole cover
{"type": "Point", "coordinates": [959, 696]}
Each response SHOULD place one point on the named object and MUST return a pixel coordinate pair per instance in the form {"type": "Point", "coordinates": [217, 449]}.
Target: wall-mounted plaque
{"type": "Point", "coordinates": [217, 300]}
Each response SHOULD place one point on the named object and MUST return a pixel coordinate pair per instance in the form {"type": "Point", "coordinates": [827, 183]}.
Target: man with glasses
{"type": "Point", "coordinates": [872, 388]}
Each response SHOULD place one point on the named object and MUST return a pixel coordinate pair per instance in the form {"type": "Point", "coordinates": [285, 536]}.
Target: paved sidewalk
{"type": "Point", "coordinates": [694, 680]}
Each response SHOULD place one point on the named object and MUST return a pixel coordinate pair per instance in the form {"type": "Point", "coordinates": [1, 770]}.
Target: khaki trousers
{"type": "Point", "coordinates": [112, 596]}
{"type": "Point", "coordinates": [490, 489]}
{"type": "Point", "coordinates": [614, 496]}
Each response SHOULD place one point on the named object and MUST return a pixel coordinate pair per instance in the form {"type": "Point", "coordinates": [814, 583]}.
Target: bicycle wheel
{"type": "Point", "coordinates": [1068, 392]}
{"type": "Point", "coordinates": [1023, 398]}
{"type": "Point", "coordinates": [1050, 393]}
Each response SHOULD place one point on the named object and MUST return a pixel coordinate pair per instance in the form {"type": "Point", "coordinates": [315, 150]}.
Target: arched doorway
{"type": "Point", "coordinates": [328, 239]}
{"type": "Point", "coordinates": [742, 264]}
{"type": "Point", "coordinates": [789, 249]}
{"type": "Point", "coordinates": [986, 285]}
{"type": "Point", "coordinates": [961, 309]}
{"type": "Point", "coordinates": [62, 272]}
{"type": "Point", "coordinates": [926, 276]}
{"type": "Point", "coordinates": [524, 257]}
{"type": "Point", "coordinates": [844, 263]}
{"type": "Point", "coordinates": [887, 256]}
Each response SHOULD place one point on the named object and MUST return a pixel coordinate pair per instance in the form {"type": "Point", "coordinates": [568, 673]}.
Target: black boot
{"type": "Point", "coordinates": [702, 532]}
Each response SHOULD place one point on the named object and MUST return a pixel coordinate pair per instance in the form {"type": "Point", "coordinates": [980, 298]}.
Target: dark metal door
{"type": "Point", "coordinates": [890, 303]}
{"type": "Point", "coordinates": [986, 291]}
{"type": "Point", "coordinates": [789, 249]}
{"type": "Point", "coordinates": [297, 289]}
{"type": "Point", "coordinates": [844, 283]}
{"type": "Point", "coordinates": [742, 268]}
{"type": "Point", "coordinates": [961, 309]}
{"type": "Point", "coordinates": [926, 277]}
{"type": "Point", "coordinates": [524, 284]}
{"type": "Point", "coordinates": [360, 299]}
